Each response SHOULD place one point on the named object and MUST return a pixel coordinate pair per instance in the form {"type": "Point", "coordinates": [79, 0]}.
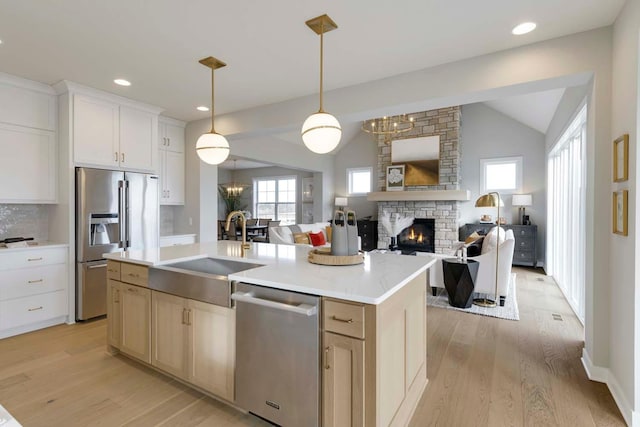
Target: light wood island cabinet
{"type": "Point", "coordinates": [374, 367]}
{"type": "Point", "coordinates": [190, 340]}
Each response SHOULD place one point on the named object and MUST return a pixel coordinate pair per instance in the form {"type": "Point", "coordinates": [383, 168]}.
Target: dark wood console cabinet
{"type": "Point", "coordinates": [524, 252]}
{"type": "Point", "coordinates": [368, 232]}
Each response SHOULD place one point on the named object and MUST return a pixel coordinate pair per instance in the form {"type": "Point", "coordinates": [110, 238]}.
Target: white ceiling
{"type": "Point", "coordinates": [272, 55]}
{"type": "Point", "coordinates": [534, 109]}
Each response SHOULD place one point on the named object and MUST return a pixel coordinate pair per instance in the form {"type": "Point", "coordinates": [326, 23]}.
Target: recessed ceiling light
{"type": "Point", "coordinates": [202, 108]}
{"type": "Point", "coordinates": [524, 28]}
{"type": "Point", "coordinates": [0, 41]}
{"type": "Point", "coordinates": [122, 82]}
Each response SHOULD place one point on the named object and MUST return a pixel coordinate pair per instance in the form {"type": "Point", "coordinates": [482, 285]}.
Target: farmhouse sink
{"type": "Point", "coordinates": [204, 279]}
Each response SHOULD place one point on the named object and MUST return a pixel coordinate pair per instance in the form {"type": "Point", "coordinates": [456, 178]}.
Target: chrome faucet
{"type": "Point", "coordinates": [245, 246]}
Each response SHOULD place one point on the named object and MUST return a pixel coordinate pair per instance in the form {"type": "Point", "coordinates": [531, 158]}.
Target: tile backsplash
{"type": "Point", "coordinates": [166, 220]}
{"type": "Point", "coordinates": [24, 221]}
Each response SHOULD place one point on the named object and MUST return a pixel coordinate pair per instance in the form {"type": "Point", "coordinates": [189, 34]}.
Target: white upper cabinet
{"type": "Point", "coordinates": [138, 132]}
{"type": "Point", "coordinates": [95, 131]}
{"type": "Point", "coordinates": [27, 103]}
{"type": "Point", "coordinates": [172, 161]}
{"type": "Point", "coordinates": [172, 137]}
{"type": "Point", "coordinates": [109, 131]}
{"type": "Point", "coordinates": [28, 163]}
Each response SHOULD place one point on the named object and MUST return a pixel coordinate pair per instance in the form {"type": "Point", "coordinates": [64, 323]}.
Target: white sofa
{"type": "Point", "coordinates": [486, 280]}
{"type": "Point", "coordinates": [283, 234]}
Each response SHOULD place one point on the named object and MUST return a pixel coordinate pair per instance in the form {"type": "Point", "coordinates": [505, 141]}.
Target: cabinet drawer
{"type": "Point", "coordinates": [525, 244]}
{"type": "Point", "coordinates": [344, 318]}
{"type": "Point", "coordinates": [32, 281]}
{"type": "Point", "coordinates": [523, 256]}
{"type": "Point", "coordinates": [113, 270]}
{"type": "Point", "coordinates": [524, 232]}
{"type": "Point", "coordinates": [27, 310]}
{"type": "Point", "coordinates": [32, 258]}
{"type": "Point", "coordinates": [134, 274]}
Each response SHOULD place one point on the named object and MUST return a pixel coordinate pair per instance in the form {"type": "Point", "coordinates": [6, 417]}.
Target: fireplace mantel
{"type": "Point", "coordinates": [415, 196]}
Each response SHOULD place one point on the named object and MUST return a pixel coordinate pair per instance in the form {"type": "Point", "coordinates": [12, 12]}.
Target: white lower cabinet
{"type": "Point", "coordinates": [33, 289]}
{"type": "Point", "coordinates": [194, 341]}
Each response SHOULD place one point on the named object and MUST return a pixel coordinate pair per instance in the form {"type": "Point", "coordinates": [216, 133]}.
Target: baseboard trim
{"type": "Point", "coordinates": [604, 375]}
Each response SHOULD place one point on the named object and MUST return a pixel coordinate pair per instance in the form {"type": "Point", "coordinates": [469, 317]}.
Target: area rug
{"type": "Point", "coordinates": [509, 311]}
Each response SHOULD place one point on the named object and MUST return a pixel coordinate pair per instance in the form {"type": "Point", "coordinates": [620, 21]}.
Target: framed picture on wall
{"type": "Point", "coordinates": [307, 189]}
{"type": "Point", "coordinates": [621, 158]}
{"type": "Point", "coordinates": [620, 212]}
{"type": "Point", "coordinates": [395, 178]}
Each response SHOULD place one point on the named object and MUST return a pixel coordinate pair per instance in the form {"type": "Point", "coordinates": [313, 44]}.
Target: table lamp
{"type": "Point", "coordinates": [521, 200]}
{"type": "Point", "coordinates": [341, 202]}
{"type": "Point", "coordinates": [491, 200]}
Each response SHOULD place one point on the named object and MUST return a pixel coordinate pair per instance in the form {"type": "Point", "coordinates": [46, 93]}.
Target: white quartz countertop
{"type": "Point", "coordinates": [32, 246]}
{"type": "Point", "coordinates": [168, 236]}
{"type": "Point", "coordinates": [286, 267]}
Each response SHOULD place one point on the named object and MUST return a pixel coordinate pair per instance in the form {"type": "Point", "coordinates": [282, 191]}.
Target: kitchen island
{"type": "Point", "coordinates": [372, 325]}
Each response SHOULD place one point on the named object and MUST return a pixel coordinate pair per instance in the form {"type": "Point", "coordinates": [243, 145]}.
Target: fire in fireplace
{"type": "Point", "coordinates": [420, 236]}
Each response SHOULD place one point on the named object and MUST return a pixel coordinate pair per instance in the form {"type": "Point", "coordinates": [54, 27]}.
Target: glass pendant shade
{"type": "Point", "coordinates": [321, 132]}
{"type": "Point", "coordinates": [212, 148]}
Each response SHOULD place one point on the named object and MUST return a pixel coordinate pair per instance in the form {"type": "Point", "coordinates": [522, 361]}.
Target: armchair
{"type": "Point", "coordinates": [486, 279]}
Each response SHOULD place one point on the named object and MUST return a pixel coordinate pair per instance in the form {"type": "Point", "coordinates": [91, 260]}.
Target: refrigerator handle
{"type": "Point", "coordinates": [126, 215]}
{"type": "Point", "coordinates": [121, 214]}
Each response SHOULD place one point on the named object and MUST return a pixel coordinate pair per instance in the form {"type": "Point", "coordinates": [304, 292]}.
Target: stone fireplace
{"type": "Point", "coordinates": [445, 214]}
{"type": "Point", "coordinates": [419, 236]}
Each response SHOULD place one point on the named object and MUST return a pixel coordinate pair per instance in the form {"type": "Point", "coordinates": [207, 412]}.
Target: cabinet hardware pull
{"type": "Point", "coordinates": [342, 320]}
{"type": "Point", "coordinates": [326, 358]}
{"type": "Point", "coordinates": [133, 290]}
{"type": "Point", "coordinates": [122, 157]}
{"type": "Point", "coordinates": [189, 317]}
{"type": "Point", "coordinates": [35, 281]}
{"type": "Point", "coordinates": [35, 309]}
{"type": "Point", "coordinates": [116, 158]}
{"type": "Point", "coordinates": [116, 296]}
{"type": "Point", "coordinates": [34, 259]}
{"type": "Point", "coordinates": [134, 275]}
{"type": "Point", "coordinates": [169, 141]}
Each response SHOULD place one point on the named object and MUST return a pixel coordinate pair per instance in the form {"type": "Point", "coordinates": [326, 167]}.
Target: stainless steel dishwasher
{"type": "Point", "coordinates": [278, 355]}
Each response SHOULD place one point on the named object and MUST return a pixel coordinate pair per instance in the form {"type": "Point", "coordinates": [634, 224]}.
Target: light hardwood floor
{"type": "Point", "coordinates": [482, 371]}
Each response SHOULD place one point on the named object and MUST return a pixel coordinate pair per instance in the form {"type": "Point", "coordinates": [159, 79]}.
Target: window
{"type": "Point", "coordinates": [358, 181]}
{"type": "Point", "coordinates": [566, 224]}
{"type": "Point", "coordinates": [502, 174]}
{"type": "Point", "coordinates": [275, 198]}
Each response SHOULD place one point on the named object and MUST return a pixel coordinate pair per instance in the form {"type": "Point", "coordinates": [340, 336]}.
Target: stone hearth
{"type": "Point", "coordinates": [446, 123]}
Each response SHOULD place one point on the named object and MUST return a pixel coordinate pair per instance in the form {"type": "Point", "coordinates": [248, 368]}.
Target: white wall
{"type": "Point", "coordinates": [624, 328]}
{"type": "Point", "coordinates": [487, 133]}
{"type": "Point", "coordinates": [361, 151]}
{"type": "Point", "coordinates": [246, 176]}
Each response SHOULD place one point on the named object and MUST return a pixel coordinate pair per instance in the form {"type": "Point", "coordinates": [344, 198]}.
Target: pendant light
{"type": "Point", "coordinates": [212, 147]}
{"type": "Point", "coordinates": [321, 131]}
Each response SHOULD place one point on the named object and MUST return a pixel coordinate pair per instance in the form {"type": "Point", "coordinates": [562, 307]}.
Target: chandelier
{"type": "Point", "coordinates": [234, 189]}
{"type": "Point", "coordinates": [388, 126]}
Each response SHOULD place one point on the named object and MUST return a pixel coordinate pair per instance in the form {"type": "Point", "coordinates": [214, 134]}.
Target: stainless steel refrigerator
{"type": "Point", "coordinates": [115, 211]}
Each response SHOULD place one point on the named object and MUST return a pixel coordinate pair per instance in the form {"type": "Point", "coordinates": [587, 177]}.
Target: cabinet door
{"type": "Point", "coordinates": [212, 348]}
{"type": "Point", "coordinates": [95, 131]}
{"type": "Point", "coordinates": [138, 139]}
{"type": "Point", "coordinates": [135, 332]}
{"type": "Point", "coordinates": [26, 107]}
{"type": "Point", "coordinates": [113, 313]}
{"type": "Point", "coordinates": [174, 138]}
{"type": "Point", "coordinates": [343, 381]}
{"type": "Point", "coordinates": [28, 163]}
{"type": "Point", "coordinates": [174, 178]}
{"type": "Point", "coordinates": [169, 334]}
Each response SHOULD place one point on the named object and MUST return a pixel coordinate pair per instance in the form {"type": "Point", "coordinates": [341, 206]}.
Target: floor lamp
{"type": "Point", "coordinates": [491, 200]}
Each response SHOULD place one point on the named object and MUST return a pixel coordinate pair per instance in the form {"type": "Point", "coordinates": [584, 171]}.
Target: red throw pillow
{"type": "Point", "coordinates": [317, 239]}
